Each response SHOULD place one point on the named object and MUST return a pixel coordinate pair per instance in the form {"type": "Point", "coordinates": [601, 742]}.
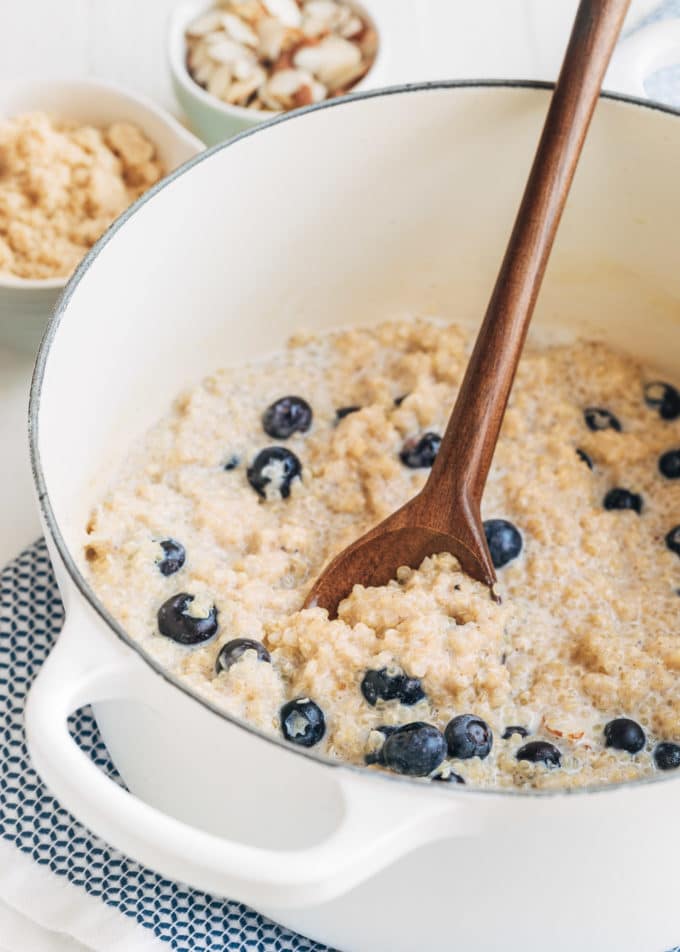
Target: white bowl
{"type": "Point", "coordinates": [215, 120]}
{"type": "Point", "coordinates": [25, 305]}
{"type": "Point", "coordinates": [220, 264]}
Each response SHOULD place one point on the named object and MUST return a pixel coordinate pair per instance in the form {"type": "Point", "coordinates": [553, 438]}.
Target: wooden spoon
{"type": "Point", "coordinates": [445, 515]}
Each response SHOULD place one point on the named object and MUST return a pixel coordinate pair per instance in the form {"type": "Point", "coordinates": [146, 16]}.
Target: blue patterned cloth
{"type": "Point", "coordinates": [664, 86]}
{"type": "Point", "coordinates": [31, 617]}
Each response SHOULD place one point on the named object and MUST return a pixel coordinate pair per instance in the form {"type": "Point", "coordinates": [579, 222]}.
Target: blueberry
{"type": "Point", "coordinates": [622, 499]}
{"type": "Point", "coordinates": [287, 416]}
{"type": "Point", "coordinates": [274, 466]}
{"type": "Point", "coordinates": [663, 397]}
{"type": "Point", "coordinates": [342, 412]}
{"type": "Point", "coordinates": [390, 684]}
{"type": "Point", "coordinates": [376, 756]}
{"type": "Point", "coordinates": [669, 464]}
{"type": "Point", "coordinates": [599, 419]}
{"type": "Point", "coordinates": [448, 776]}
{"type": "Point", "coordinates": [624, 734]}
{"type": "Point", "coordinates": [673, 540]}
{"type": "Point", "coordinates": [302, 722]}
{"type": "Point", "coordinates": [468, 736]}
{"type": "Point", "coordinates": [232, 462]}
{"type": "Point", "coordinates": [582, 455]}
{"type": "Point", "coordinates": [234, 650]}
{"type": "Point", "coordinates": [540, 752]}
{"type": "Point", "coordinates": [174, 557]}
{"type": "Point", "coordinates": [174, 621]}
{"type": "Point", "coordinates": [415, 749]}
{"type": "Point", "coordinates": [420, 453]}
{"type": "Point", "coordinates": [514, 729]}
{"type": "Point", "coordinates": [667, 756]}
{"type": "Point", "coordinates": [504, 541]}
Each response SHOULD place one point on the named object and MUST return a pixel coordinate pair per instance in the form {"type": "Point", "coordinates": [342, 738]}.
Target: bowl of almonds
{"type": "Point", "coordinates": [236, 63]}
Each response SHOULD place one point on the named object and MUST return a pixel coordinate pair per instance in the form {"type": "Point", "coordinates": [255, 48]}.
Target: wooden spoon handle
{"type": "Point", "coordinates": [464, 457]}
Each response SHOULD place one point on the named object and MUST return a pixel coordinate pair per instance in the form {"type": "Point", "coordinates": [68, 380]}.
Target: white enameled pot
{"type": "Point", "coordinates": [392, 203]}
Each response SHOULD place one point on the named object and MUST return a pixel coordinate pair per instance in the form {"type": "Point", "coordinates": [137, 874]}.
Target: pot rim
{"type": "Point", "coordinates": [49, 517]}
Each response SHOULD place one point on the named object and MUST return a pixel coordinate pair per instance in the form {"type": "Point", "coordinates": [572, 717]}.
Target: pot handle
{"type": "Point", "coordinates": [374, 830]}
{"type": "Point", "coordinates": [642, 53]}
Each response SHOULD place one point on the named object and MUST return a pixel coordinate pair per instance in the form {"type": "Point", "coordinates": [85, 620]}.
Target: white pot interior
{"type": "Point", "coordinates": [393, 204]}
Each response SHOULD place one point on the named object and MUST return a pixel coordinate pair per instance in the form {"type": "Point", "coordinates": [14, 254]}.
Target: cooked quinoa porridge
{"type": "Point", "coordinates": [220, 520]}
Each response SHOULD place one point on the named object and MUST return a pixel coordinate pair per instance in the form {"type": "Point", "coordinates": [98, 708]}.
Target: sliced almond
{"type": "Point", "coordinates": [242, 90]}
{"type": "Point", "coordinates": [287, 11]}
{"type": "Point", "coordinates": [345, 80]}
{"type": "Point", "coordinates": [331, 60]}
{"type": "Point", "coordinates": [271, 34]}
{"type": "Point", "coordinates": [320, 17]}
{"type": "Point", "coordinates": [227, 51]}
{"type": "Point", "coordinates": [351, 28]}
{"type": "Point", "coordinates": [257, 103]}
{"type": "Point", "coordinates": [246, 68]}
{"type": "Point", "coordinates": [197, 55]}
{"type": "Point", "coordinates": [207, 23]}
{"type": "Point", "coordinates": [204, 72]}
{"type": "Point", "coordinates": [220, 81]}
{"type": "Point", "coordinates": [238, 30]}
{"type": "Point", "coordinates": [319, 91]}
{"type": "Point", "coordinates": [249, 10]}
{"type": "Point", "coordinates": [282, 87]}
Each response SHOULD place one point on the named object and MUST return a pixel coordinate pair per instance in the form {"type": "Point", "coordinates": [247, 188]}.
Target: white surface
{"type": "Point", "coordinates": [428, 215]}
